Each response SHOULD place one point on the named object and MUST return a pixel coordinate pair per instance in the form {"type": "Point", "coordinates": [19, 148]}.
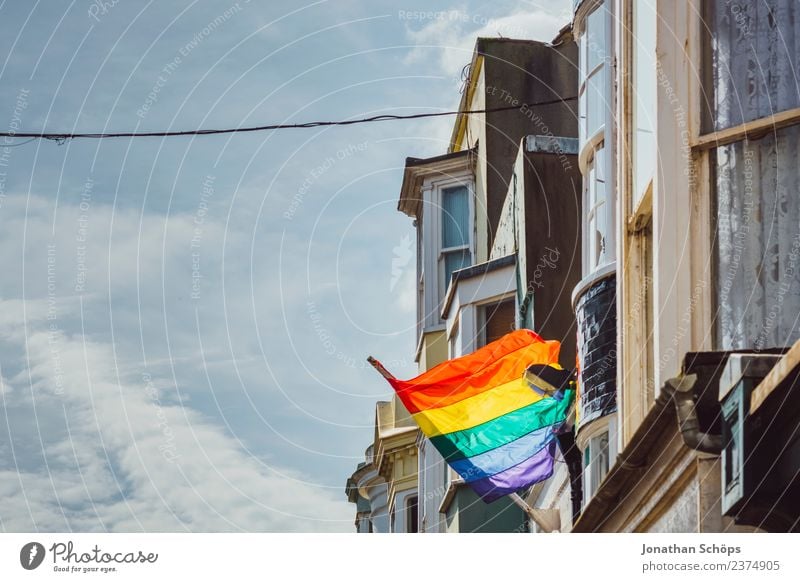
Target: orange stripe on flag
{"type": "Point", "coordinates": [455, 380]}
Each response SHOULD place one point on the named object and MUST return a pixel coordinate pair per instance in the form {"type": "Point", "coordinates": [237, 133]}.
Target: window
{"type": "Point", "coordinates": [412, 514]}
{"type": "Point", "coordinates": [598, 441]}
{"type": "Point", "coordinates": [753, 60]}
{"type": "Point", "coordinates": [495, 320]}
{"type": "Point", "coordinates": [594, 106]}
{"type": "Point", "coordinates": [598, 212]}
{"type": "Point", "coordinates": [455, 250]}
{"type": "Point", "coordinates": [596, 461]}
{"type": "Point", "coordinates": [454, 350]}
{"type": "Point", "coordinates": [643, 142]}
{"type": "Point", "coordinates": [445, 243]}
{"type": "Point", "coordinates": [752, 127]}
{"type": "Point", "coordinates": [758, 242]}
{"type": "Point", "coordinates": [594, 56]}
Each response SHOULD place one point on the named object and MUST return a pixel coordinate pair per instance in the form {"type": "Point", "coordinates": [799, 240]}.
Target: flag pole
{"type": "Point", "coordinates": [380, 369]}
{"type": "Point", "coordinates": [547, 519]}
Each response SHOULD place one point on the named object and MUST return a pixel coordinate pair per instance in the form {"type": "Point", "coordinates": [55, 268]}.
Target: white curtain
{"type": "Point", "coordinates": [758, 244]}
{"type": "Point", "coordinates": [754, 53]}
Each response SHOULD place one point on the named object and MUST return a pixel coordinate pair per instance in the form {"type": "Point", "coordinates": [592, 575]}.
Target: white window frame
{"type": "Point", "coordinates": [461, 324]}
{"type": "Point", "coordinates": [433, 262]}
{"type": "Point", "coordinates": [420, 279]}
{"type": "Point", "coordinates": [443, 251]}
{"type": "Point", "coordinates": [703, 145]}
{"type": "Point", "coordinates": [587, 75]}
{"type": "Point", "coordinates": [601, 138]}
{"type": "Point", "coordinates": [592, 206]}
{"type": "Point", "coordinates": [589, 439]}
{"type": "Point", "coordinates": [452, 339]}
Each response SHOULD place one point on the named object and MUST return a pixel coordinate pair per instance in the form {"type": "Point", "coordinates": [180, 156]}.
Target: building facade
{"type": "Point", "coordinates": [673, 276]}
{"type": "Point", "coordinates": [384, 487]}
{"type": "Point", "coordinates": [692, 110]}
{"type": "Point", "coordinates": [497, 220]}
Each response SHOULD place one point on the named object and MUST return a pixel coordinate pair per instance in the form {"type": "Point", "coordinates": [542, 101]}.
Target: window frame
{"type": "Point", "coordinates": [435, 288]}
{"type": "Point", "coordinates": [587, 74]}
{"type": "Point", "coordinates": [755, 129]}
{"type": "Point", "coordinates": [438, 188]}
{"type": "Point", "coordinates": [480, 315]}
{"type": "Point", "coordinates": [602, 138]}
{"type": "Point", "coordinates": [588, 439]}
{"type": "Point", "coordinates": [704, 143]}
{"type": "Point", "coordinates": [453, 350]}
{"type": "Point", "coordinates": [592, 207]}
{"type": "Point", "coordinates": [412, 517]}
{"type": "Point", "coordinates": [444, 251]}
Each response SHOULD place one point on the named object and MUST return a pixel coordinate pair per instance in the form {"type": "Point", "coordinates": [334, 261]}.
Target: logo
{"type": "Point", "coordinates": [31, 555]}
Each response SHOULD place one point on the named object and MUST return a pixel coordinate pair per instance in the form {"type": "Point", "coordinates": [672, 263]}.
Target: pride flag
{"type": "Point", "coordinates": [494, 414]}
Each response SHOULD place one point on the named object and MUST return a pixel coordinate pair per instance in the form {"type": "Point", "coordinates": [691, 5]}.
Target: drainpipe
{"type": "Point", "coordinates": [680, 391]}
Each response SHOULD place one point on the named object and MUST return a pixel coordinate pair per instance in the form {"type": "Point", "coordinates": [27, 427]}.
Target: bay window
{"type": "Point", "coordinates": [594, 298]}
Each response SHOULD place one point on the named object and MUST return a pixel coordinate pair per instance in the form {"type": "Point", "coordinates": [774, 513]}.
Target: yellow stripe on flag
{"type": "Point", "coordinates": [476, 409]}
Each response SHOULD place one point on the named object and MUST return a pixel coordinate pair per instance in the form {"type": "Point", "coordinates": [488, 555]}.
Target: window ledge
{"type": "Point", "coordinates": [452, 487]}
{"type": "Point", "coordinates": [748, 130]}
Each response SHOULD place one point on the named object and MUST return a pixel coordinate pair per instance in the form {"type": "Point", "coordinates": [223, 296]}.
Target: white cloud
{"type": "Point", "coordinates": [262, 443]}
{"type": "Point", "coordinates": [452, 33]}
{"type": "Point", "coordinates": [99, 441]}
{"type": "Point", "coordinates": [133, 460]}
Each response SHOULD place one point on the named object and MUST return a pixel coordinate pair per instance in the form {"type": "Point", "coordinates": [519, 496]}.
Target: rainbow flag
{"type": "Point", "coordinates": [494, 414]}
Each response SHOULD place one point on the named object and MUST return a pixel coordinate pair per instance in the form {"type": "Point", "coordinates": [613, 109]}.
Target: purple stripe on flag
{"type": "Point", "coordinates": [532, 470]}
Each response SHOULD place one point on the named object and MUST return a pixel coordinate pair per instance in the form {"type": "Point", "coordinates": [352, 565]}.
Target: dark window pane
{"type": "Point", "coordinates": [500, 319]}
{"type": "Point", "coordinates": [412, 509]}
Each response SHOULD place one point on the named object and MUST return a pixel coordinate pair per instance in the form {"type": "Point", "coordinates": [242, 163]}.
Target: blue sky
{"type": "Point", "coordinates": [184, 323]}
